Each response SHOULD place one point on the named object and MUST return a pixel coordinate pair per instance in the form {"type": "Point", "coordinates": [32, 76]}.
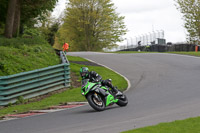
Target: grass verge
{"type": "Point", "coordinates": [128, 52]}
{"type": "Point", "coordinates": [186, 53]}
{"type": "Point", "coordinates": [117, 80]}
{"type": "Point", "coordinates": [191, 125]}
{"type": "Point", "coordinates": [182, 53]}
{"type": "Point", "coordinates": [70, 95]}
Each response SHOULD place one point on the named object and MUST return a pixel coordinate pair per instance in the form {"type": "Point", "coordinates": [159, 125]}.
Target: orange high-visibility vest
{"type": "Point", "coordinates": [65, 46]}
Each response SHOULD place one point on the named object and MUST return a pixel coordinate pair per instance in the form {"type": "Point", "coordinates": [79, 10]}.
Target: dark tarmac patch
{"type": "Point", "coordinates": [88, 63]}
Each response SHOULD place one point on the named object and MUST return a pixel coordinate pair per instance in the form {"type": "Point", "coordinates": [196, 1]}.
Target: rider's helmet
{"type": "Point", "coordinates": [84, 71]}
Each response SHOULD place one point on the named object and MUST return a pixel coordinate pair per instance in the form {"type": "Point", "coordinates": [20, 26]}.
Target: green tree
{"type": "Point", "coordinates": [49, 27]}
{"type": "Point", "coordinates": [191, 15]}
{"type": "Point", "coordinates": [34, 10]}
{"type": "Point", "coordinates": [3, 11]}
{"type": "Point", "coordinates": [10, 18]}
{"type": "Point", "coordinates": [91, 25]}
{"type": "Point", "coordinates": [21, 12]}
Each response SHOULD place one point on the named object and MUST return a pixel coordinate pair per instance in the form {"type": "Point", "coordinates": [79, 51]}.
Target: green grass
{"type": "Point", "coordinates": [183, 53]}
{"type": "Point", "coordinates": [104, 72]}
{"type": "Point", "coordinates": [191, 125]}
{"type": "Point", "coordinates": [20, 41]}
{"type": "Point", "coordinates": [21, 58]}
{"type": "Point", "coordinates": [186, 53]}
{"type": "Point", "coordinates": [70, 95]}
{"type": "Point", "coordinates": [75, 58]}
{"type": "Point", "coordinates": [127, 52]}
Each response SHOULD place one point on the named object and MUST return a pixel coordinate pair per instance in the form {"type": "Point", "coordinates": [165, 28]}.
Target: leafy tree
{"type": "Point", "coordinates": [21, 12]}
{"type": "Point", "coordinates": [91, 25]}
{"type": "Point", "coordinates": [49, 27]}
{"type": "Point", "coordinates": [50, 32]}
{"type": "Point", "coordinates": [191, 15]}
{"type": "Point", "coordinates": [3, 11]}
{"type": "Point", "coordinates": [34, 10]}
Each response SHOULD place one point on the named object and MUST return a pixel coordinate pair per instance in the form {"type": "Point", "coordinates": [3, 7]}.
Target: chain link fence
{"type": "Point", "coordinates": [163, 48]}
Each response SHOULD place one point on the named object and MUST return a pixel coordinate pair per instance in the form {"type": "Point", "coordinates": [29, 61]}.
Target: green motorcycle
{"type": "Point", "coordinates": [99, 96]}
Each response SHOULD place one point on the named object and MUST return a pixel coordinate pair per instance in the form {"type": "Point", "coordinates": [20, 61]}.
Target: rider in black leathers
{"type": "Point", "coordinates": [95, 77]}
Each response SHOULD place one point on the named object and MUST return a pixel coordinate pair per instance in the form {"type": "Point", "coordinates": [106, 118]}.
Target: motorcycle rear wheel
{"type": "Point", "coordinates": [96, 104]}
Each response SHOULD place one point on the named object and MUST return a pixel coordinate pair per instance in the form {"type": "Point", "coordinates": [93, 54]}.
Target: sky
{"type": "Point", "coordinates": [143, 17]}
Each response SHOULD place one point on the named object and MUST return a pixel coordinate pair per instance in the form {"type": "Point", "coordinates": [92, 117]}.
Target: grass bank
{"type": "Point", "coordinates": [25, 54]}
{"type": "Point", "coordinates": [69, 95]}
{"type": "Point", "coordinates": [191, 125]}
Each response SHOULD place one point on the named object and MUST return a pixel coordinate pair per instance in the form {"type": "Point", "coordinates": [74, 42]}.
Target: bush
{"type": "Point", "coordinates": [31, 33]}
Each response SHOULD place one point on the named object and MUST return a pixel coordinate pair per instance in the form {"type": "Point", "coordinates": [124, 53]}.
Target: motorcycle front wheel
{"type": "Point", "coordinates": [96, 102]}
{"type": "Point", "coordinates": [122, 101]}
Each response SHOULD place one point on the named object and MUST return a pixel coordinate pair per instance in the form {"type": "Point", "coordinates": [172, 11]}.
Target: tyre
{"type": "Point", "coordinates": [96, 101]}
{"type": "Point", "coordinates": [122, 101]}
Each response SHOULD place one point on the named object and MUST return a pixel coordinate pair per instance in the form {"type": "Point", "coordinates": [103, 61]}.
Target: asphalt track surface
{"type": "Point", "coordinates": [164, 88]}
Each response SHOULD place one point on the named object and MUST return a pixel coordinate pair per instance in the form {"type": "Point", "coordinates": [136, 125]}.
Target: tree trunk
{"type": "Point", "coordinates": [16, 23]}
{"type": "Point", "coordinates": [10, 18]}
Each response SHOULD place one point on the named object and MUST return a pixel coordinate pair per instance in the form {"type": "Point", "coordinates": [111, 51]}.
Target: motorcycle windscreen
{"type": "Point", "coordinates": [84, 82]}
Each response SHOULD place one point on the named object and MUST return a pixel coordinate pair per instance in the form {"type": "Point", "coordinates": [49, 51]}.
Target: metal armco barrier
{"type": "Point", "coordinates": [33, 83]}
{"type": "Point", "coordinates": [63, 57]}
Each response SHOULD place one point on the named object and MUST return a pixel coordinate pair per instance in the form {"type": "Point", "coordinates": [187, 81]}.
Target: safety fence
{"type": "Point", "coordinates": [165, 48]}
{"type": "Point", "coordinates": [63, 57]}
{"type": "Point", "coordinates": [34, 83]}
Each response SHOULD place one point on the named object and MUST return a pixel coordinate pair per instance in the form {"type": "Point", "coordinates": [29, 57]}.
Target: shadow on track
{"type": "Point", "coordinates": [90, 110]}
